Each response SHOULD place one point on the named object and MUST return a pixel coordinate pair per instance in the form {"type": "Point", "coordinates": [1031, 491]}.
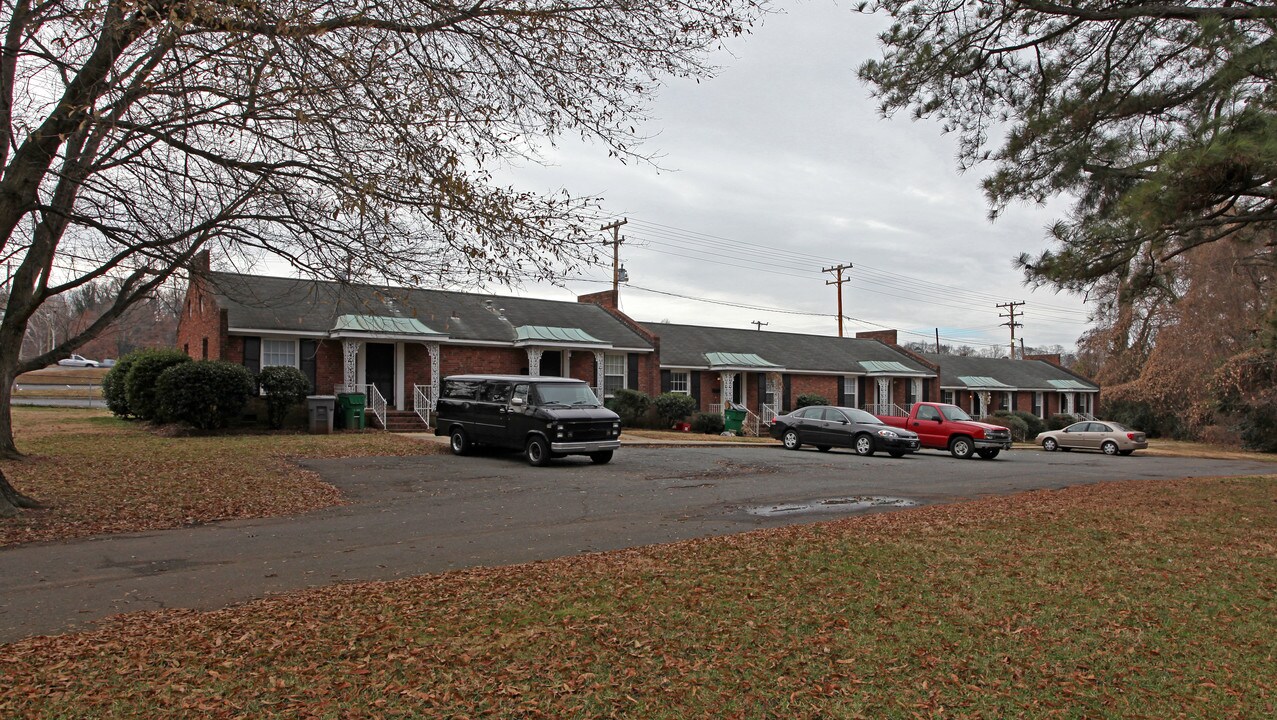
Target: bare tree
{"type": "Point", "coordinates": [350, 138]}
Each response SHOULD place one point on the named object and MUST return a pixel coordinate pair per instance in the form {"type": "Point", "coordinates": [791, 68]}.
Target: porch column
{"type": "Point", "coordinates": [727, 381]}
{"type": "Point", "coordinates": [433, 349]}
{"type": "Point", "coordinates": [985, 398]}
{"type": "Point", "coordinates": [534, 361]}
{"type": "Point", "coordinates": [349, 376]}
{"type": "Point", "coordinates": [884, 393]}
{"type": "Point", "coordinates": [598, 371]}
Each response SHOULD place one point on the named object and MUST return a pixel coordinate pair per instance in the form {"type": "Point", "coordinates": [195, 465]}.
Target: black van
{"type": "Point", "coordinates": [545, 417]}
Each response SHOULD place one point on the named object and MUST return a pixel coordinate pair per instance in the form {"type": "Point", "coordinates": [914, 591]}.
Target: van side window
{"type": "Point", "coordinates": [497, 392]}
{"type": "Point", "coordinates": [460, 390]}
{"type": "Point", "coordinates": [521, 391]}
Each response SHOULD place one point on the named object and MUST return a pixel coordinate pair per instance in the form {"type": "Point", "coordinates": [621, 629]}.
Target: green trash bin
{"type": "Point", "coordinates": [733, 419]}
{"type": "Point", "coordinates": [350, 410]}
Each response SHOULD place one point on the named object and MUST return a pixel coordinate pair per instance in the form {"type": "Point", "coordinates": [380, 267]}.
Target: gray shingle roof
{"type": "Point", "coordinates": [1017, 374]}
{"type": "Point", "coordinates": [687, 346]}
{"type": "Point", "coordinates": [310, 306]}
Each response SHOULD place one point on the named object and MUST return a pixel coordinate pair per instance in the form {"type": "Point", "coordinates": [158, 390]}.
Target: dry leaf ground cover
{"type": "Point", "coordinates": [98, 474]}
{"type": "Point", "coordinates": [1147, 599]}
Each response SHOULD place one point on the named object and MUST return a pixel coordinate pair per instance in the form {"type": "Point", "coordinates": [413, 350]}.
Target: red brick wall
{"type": "Point", "coordinates": [200, 322]}
{"type": "Point", "coordinates": [581, 367]}
{"type": "Point", "coordinates": [826, 385]}
{"type": "Point", "coordinates": [467, 359]}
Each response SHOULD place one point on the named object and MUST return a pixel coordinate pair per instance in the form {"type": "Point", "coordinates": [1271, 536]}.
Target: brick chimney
{"type": "Point", "coordinates": [886, 337]}
{"type": "Point", "coordinates": [607, 299]}
{"type": "Point", "coordinates": [1053, 358]}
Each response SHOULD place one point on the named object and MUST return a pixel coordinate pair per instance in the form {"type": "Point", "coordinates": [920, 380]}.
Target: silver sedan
{"type": "Point", "coordinates": [1106, 436]}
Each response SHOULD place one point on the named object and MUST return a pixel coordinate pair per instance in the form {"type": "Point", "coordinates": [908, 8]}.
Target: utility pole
{"type": "Point", "coordinates": [837, 269]}
{"type": "Point", "coordinates": [616, 253]}
{"type": "Point", "coordinates": [937, 341]}
{"type": "Point", "coordinates": [1011, 306]}
{"type": "Point", "coordinates": [758, 324]}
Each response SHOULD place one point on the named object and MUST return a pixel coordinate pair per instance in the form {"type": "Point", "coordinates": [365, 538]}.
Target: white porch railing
{"type": "Point", "coordinates": [768, 413]}
{"type": "Point", "coordinates": [887, 410]}
{"type": "Point", "coordinates": [1083, 416]}
{"type": "Point", "coordinates": [716, 408]}
{"type": "Point", "coordinates": [422, 403]}
{"type": "Point", "coordinates": [753, 424]}
{"type": "Point", "coordinates": [376, 403]}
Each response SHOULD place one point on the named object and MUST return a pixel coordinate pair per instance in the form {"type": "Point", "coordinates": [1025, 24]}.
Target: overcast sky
{"type": "Point", "coordinates": [780, 166]}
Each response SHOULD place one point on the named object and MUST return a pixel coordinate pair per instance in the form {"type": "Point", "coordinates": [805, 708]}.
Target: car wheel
{"type": "Point", "coordinates": [459, 443]}
{"type": "Point", "coordinates": [988, 453]}
{"type": "Point", "coordinates": [896, 453]}
{"type": "Point", "coordinates": [823, 448]}
{"type": "Point", "coordinates": [791, 441]}
{"type": "Point", "coordinates": [537, 451]}
{"type": "Point", "coordinates": [1124, 453]}
{"type": "Point", "coordinates": [961, 448]}
{"type": "Point", "coordinates": [863, 445]}
{"type": "Point", "coordinates": [1050, 445]}
{"type": "Point", "coordinates": [1109, 447]}
{"type": "Point", "coordinates": [602, 457]}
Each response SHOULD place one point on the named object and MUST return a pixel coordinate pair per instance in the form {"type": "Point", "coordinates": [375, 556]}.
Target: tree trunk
{"type": "Point", "coordinates": [8, 368]}
{"type": "Point", "coordinates": [11, 500]}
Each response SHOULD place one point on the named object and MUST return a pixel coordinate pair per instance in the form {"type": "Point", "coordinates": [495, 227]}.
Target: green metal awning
{"type": "Point", "coordinates": [885, 366]}
{"type": "Point", "coordinates": [381, 326]}
{"type": "Point", "coordinates": [534, 334]}
{"type": "Point", "coordinates": [1069, 385]}
{"type": "Point", "coordinates": [982, 382]}
{"type": "Point", "coordinates": [738, 360]}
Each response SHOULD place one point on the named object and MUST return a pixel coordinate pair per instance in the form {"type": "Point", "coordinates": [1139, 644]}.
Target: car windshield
{"type": "Point", "coordinates": [954, 413]}
{"type": "Point", "coordinates": [567, 394]}
{"type": "Point", "coordinates": [860, 416]}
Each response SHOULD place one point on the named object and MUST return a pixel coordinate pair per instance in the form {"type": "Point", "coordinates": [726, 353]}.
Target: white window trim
{"type": "Point", "coordinates": [625, 371]}
{"type": "Point", "coordinates": [685, 376]}
{"type": "Point", "coordinates": [261, 359]}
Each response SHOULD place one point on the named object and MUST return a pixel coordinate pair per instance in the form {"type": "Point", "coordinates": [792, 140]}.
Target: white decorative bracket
{"type": "Point", "coordinates": [598, 370]}
{"type": "Point", "coordinates": [534, 361]}
{"type": "Point", "coordinates": [728, 381]}
{"type": "Point", "coordinates": [435, 385]}
{"type": "Point", "coordinates": [350, 351]}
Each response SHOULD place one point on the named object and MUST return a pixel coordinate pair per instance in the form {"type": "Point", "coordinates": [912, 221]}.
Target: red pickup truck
{"type": "Point", "coordinates": [947, 427]}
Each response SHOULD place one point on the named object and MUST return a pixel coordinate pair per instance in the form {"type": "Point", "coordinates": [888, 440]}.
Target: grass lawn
{"type": "Point", "coordinates": [98, 474]}
{"type": "Point", "coordinates": [1143, 599]}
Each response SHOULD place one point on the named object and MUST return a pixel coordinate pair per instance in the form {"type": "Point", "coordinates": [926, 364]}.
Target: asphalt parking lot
{"type": "Point", "coordinates": [427, 514]}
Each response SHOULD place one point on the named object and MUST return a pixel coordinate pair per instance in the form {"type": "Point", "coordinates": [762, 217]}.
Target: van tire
{"type": "Point", "coordinates": [537, 451]}
{"type": "Point", "coordinates": [601, 457]}
{"type": "Point", "coordinates": [459, 442]}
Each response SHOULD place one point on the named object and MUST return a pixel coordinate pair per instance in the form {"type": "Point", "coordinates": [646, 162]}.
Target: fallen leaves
{"type": "Point", "coordinates": [97, 474]}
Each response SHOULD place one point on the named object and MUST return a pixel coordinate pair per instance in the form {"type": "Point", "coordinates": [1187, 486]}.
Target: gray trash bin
{"type": "Point", "coordinates": [320, 409]}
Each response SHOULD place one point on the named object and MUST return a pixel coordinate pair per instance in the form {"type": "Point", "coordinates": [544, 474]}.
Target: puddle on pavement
{"type": "Point", "coordinates": [833, 505]}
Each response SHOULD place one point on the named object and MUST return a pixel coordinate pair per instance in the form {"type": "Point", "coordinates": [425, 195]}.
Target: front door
{"type": "Point", "coordinates": [379, 369]}
{"type": "Point", "coordinates": [552, 363]}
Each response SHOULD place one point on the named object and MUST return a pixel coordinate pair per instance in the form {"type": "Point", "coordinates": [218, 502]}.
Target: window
{"type": "Point", "coordinates": [461, 389]}
{"type": "Point", "coordinates": [1008, 400]}
{"type": "Point", "coordinates": [927, 412]}
{"type": "Point", "coordinates": [680, 382]}
{"type": "Point", "coordinates": [1037, 404]}
{"type": "Point", "coordinates": [495, 393]}
{"type": "Point", "coordinates": [279, 352]}
{"type": "Point", "coordinates": [946, 397]}
{"type": "Point", "coordinates": [613, 374]}
{"type": "Point", "coordinates": [850, 386]}
{"type": "Point", "coordinates": [913, 390]}
{"type": "Point", "coordinates": [521, 393]}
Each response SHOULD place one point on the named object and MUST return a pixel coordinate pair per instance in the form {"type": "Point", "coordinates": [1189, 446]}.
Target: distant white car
{"type": "Point", "coordinates": [77, 361]}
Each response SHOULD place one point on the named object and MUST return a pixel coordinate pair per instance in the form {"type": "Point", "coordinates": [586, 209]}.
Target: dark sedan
{"type": "Point", "coordinates": [826, 427]}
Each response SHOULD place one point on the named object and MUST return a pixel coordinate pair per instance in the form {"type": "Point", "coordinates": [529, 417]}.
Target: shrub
{"type": "Point", "coordinates": [807, 399]}
{"type": "Point", "coordinates": [140, 382]}
{"type": "Point", "coordinates": [1019, 429]}
{"type": "Point", "coordinates": [1245, 392]}
{"type": "Point", "coordinates": [708, 423]}
{"type": "Point", "coordinates": [672, 408]}
{"type": "Point", "coordinates": [1141, 415]}
{"type": "Point", "coordinates": [283, 388]}
{"type": "Point", "coordinates": [207, 394]}
{"type": "Point", "coordinates": [1033, 424]}
{"type": "Point", "coordinates": [631, 405]}
{"type": "Point", "coordinates": [115, 389]}
{"type": "Point", "coordinates": [1059, 421]}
